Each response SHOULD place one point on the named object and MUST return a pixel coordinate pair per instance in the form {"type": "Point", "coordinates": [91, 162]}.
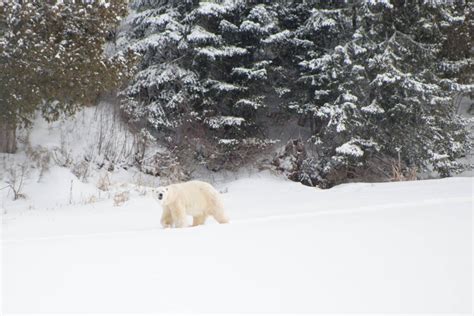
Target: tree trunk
{"type": "Point", "coordinates": [7, 138]}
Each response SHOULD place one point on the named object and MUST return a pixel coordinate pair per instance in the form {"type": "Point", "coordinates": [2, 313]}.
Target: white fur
{"type": "Point", "coordinates": [195, 198]}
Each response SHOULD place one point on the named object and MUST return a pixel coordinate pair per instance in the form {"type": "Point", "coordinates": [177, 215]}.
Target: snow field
{"type": "Point", "coordinates": [391, 247]}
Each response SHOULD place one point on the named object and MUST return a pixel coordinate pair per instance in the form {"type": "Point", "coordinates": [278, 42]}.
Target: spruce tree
{"type": "Point", "coordinates": [204, 81]}
{"type": "Point", "coordinates": [372, 82]}
{"type": "Point", "coordinates": [385, 100]}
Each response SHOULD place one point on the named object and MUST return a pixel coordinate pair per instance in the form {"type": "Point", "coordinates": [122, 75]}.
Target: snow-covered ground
{"type": "Point", "coordinates": [401, 247]}
{"type": "Point", "coordinates": [66, 247]}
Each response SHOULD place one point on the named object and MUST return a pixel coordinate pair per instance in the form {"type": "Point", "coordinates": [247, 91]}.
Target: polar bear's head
{"type": "Point", "coordinates": [162, 194]}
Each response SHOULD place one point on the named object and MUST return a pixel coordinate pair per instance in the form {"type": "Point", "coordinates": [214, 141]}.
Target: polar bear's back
{"type": "Point", "coordinates": [196, 185]}
{"type": "Point", "coordinates": [197, 195]}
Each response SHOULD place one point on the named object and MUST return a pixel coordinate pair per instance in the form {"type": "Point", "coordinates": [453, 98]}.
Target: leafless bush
{"type": "Point", "coordinates": [91, 199]}
{"type": "Point", "coordinates": [401, 172]}
{"type": "Point", "coordinates": [291, 158]}
{"type": "Point", "coordinates": [385, 168]}
{"type": "Point", "coordinates": [42, 159]}
{"type": "Point", "coordinates": [223, 155]}
{"type": "Point", "coordinates": [376, 168]}
{"type": "Point", "coordinates": [104, 182]}
{"type": "Point", "coordinates": [81, 170]}
{"type": "Point", "coordinates": [113, 140]}
{"type": "Point", "coordinates": [15, 178]}
{"type": "Point", "coordinates": [229, 156]}
{"type": "Point", "coordinates": [121, 198]}
{"type": "Point", "coordinates": [61, 157]}
{"type": "Point", "coordinates": [166, 165]}
{"type": "Point", "coordinates": [194, 147]}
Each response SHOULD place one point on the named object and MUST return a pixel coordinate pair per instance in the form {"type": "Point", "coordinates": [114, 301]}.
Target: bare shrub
{"type": "Point", "coordinates": [61, 157]}
{"type": "Point", "coordinates": [104, 182]}
{"type": "Point", "coordinates": [232, 156]}
{"type": "Point", "coordinates": [291, 159]}
{"type": "Point", "coordinates": [142, 183]}
{"type": "Point", "coordinates": [91, 199]}
{"type": "Point", "coordinates": [15, 178]}
{"type": "Point", "coordinates": [385, 168]}
{"type": "Point", "coordinates": [113, 141]}
{"type": "Point", "coordinates": [377, 168]}
{"type": "Point", "coordinates": [166, 165]}
{"type": "Point", "coordinates": [42, 159]}
{"type": "Point", "coordinates": [81, 170]}
{"type": "Point", "coordinates": [142, 141]}
{"type": "Point", "coordinates": [221, 155]}
{"type": "Point", "coordinates": [401, 172]}
{"type": "Point", "coordinates": [194, 147]}
{"type": "Point", "coordinates": [121, 198]}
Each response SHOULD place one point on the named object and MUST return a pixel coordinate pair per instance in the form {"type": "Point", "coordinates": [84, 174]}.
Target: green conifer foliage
{"type": "Point", "coordinates": [52, 57]}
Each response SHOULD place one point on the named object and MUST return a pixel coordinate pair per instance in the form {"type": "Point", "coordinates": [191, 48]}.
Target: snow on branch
{"type": "Point", "coordinates": [160, 75]}
{"type": "Point", "coordinates": [385, 3]}
{"type": "Point", "coordinates": [199, 35]}
{"type": "Point", "coordinates": [349, 149]}
{"type": "Point", "coordinates": [323, 19]}
{"type": "Point", "coordinates": [157, 41]}
{"type": "Point", "coordinates": [278, 38]}
{"type": "Point", "coordinates": [372, 108]}
{"type": "Point", "coordinates": [251, 27]}
{"type": "Point", "coordinates": [221, 121]}
{"type": "Point", "coordinates": [210, 9]}
{"type": "Point", "coordinates": [255, 104]}
{"type": "Point", "coordinates": [226, 26]}
{"type": "Point", "coordinates": [223, 87]}
{"type": "Point", "coordinates": [260, 14]}
{"type": "Point", "coordinates": [250, 74]}
{"type": "Point", "coordinates": [320, 63]}
{"type": "Point", "coordinates": [213, 53]}
{"type": "Point", "coordinates": [148, 19]}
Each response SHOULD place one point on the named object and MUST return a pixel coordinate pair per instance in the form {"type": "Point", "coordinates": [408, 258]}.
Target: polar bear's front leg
{"type": "Point", "coordinates": [178, 214]}
{"type": "Point", "coordinates": [166, 220]}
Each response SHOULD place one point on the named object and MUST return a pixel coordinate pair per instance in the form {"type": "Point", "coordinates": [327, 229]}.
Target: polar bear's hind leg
{"type": "Point", "coordinates": [218, 213]}
{"type": "Point", "coordinates": [220, 217]}
{"type": "Point", "coordinates": [199, 220]}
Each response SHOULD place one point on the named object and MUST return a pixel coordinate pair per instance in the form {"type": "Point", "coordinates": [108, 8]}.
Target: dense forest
{"type": "Point", "coordinates": [323, 91]}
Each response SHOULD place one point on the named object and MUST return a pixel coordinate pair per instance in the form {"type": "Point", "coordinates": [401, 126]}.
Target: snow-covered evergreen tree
{"type": "Point", "coordinates": [373, 81]}
{"type": "Point", "coordinates": [204, 77]}
{"type": "Point", "coordinates": [162, 87]}
{"type": "Point", "coordinates": [380, 96]}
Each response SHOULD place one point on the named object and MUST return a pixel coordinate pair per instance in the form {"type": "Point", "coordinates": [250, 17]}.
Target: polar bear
{"type": "Point", "coordinates": [196, 198]}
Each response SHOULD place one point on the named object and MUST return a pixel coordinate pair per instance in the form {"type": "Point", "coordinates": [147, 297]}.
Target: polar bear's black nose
{"type": "Point", "coordinates": [160, 196]}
